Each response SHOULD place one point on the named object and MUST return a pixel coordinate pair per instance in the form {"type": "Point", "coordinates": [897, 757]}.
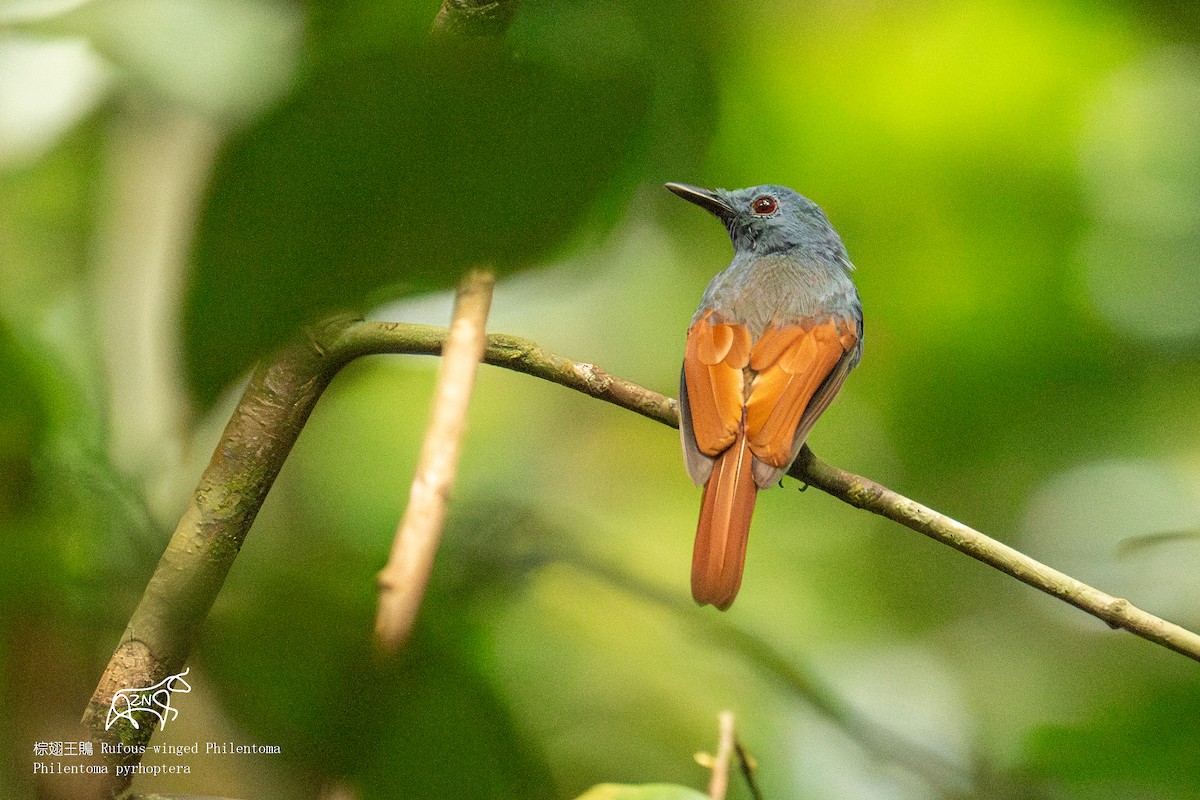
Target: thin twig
{"type": "Point", "coordinates": [718, 783]}
{"type": "Point", "coordinates": [517, 354]}
{"type": "Point", "coordinates": [728, 746]}
{"type": "Point", "coordinates": [402, 582]}
{"type": "Point", "coordinates": [746, 763]}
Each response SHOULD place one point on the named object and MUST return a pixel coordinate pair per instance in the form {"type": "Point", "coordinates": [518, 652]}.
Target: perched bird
{"type": "Point", "coordinates": [773, 339]}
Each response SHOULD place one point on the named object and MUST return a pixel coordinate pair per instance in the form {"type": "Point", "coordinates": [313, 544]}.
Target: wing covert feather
{"type": "Point", "coordinates": [793, 362]}
{"type": "Point", "coordinates": [713, 366]}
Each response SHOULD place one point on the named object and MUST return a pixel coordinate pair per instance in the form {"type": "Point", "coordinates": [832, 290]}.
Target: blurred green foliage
{"type": "Point", "coordinates": [1149, 753]}
{"type": "Point", "coordinates": [184, 185]}
{"type": "Point", "coordinates": [398, 170]}
{"type": "Point", "coordinates": [392, 169]}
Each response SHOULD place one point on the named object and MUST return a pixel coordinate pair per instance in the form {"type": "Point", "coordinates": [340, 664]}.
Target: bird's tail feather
{"type": "Point", "coordinates": [724, 527]}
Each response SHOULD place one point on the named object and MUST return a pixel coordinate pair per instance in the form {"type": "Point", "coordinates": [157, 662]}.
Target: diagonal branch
{"type": "Point", "coordinates": [878, 499]}
{"type": "Point", "coordinates": [402, 581]}
{"type": "Point", "coordinates": [522, 355]}
{"type": "Point", "coordinates": [272, 412]}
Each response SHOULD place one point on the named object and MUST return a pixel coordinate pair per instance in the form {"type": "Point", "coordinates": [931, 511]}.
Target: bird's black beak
{"type": "Point", "coordinates": [705, 198]}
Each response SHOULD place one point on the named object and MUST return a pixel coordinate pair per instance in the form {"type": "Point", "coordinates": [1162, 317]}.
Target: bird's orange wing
{"type": "Point", "coordinates": [791, 362]}
{"type": "Point", "coordinates": [713, 362]}
{"type": "Point", "coordinates": [713, 375]}
{"type": "Point", "coordinates": [795, 367]}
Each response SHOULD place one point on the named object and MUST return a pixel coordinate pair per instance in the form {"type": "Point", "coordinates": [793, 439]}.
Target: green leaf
{"type": "Point", "coordinates": [391, 174]}
{"type": "Point", "coordinates": [649, 791]}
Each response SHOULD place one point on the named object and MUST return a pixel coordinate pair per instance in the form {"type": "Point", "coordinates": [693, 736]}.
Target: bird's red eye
{"type": "Point", "coordinates": [764, 204]}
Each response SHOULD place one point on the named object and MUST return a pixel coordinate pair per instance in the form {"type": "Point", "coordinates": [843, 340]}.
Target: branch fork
{"type": "Point", "coordinates": [274, 408]}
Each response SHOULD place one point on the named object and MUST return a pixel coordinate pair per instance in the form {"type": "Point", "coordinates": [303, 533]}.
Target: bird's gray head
{"type": "Point", "coordinates": [769, 219]}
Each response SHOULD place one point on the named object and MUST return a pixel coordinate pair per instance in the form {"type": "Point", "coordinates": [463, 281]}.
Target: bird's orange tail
{"type": "Point", "coordinates": [725, 512]}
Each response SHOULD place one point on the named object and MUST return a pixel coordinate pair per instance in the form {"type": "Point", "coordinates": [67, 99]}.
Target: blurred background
{"type": "Point", "coordinates": [185, 183]}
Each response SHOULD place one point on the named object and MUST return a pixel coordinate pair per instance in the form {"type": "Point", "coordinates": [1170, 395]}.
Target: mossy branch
{"type": "Point", "coordinates": [273, 410]}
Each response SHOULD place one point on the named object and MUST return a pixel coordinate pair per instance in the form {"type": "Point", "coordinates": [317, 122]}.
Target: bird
{"type": "Point", "coordinates": [770, 345]}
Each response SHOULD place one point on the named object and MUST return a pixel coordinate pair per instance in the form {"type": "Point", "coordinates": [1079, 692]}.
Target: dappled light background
{"type": "Point", "coordinates": [185, 183]}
